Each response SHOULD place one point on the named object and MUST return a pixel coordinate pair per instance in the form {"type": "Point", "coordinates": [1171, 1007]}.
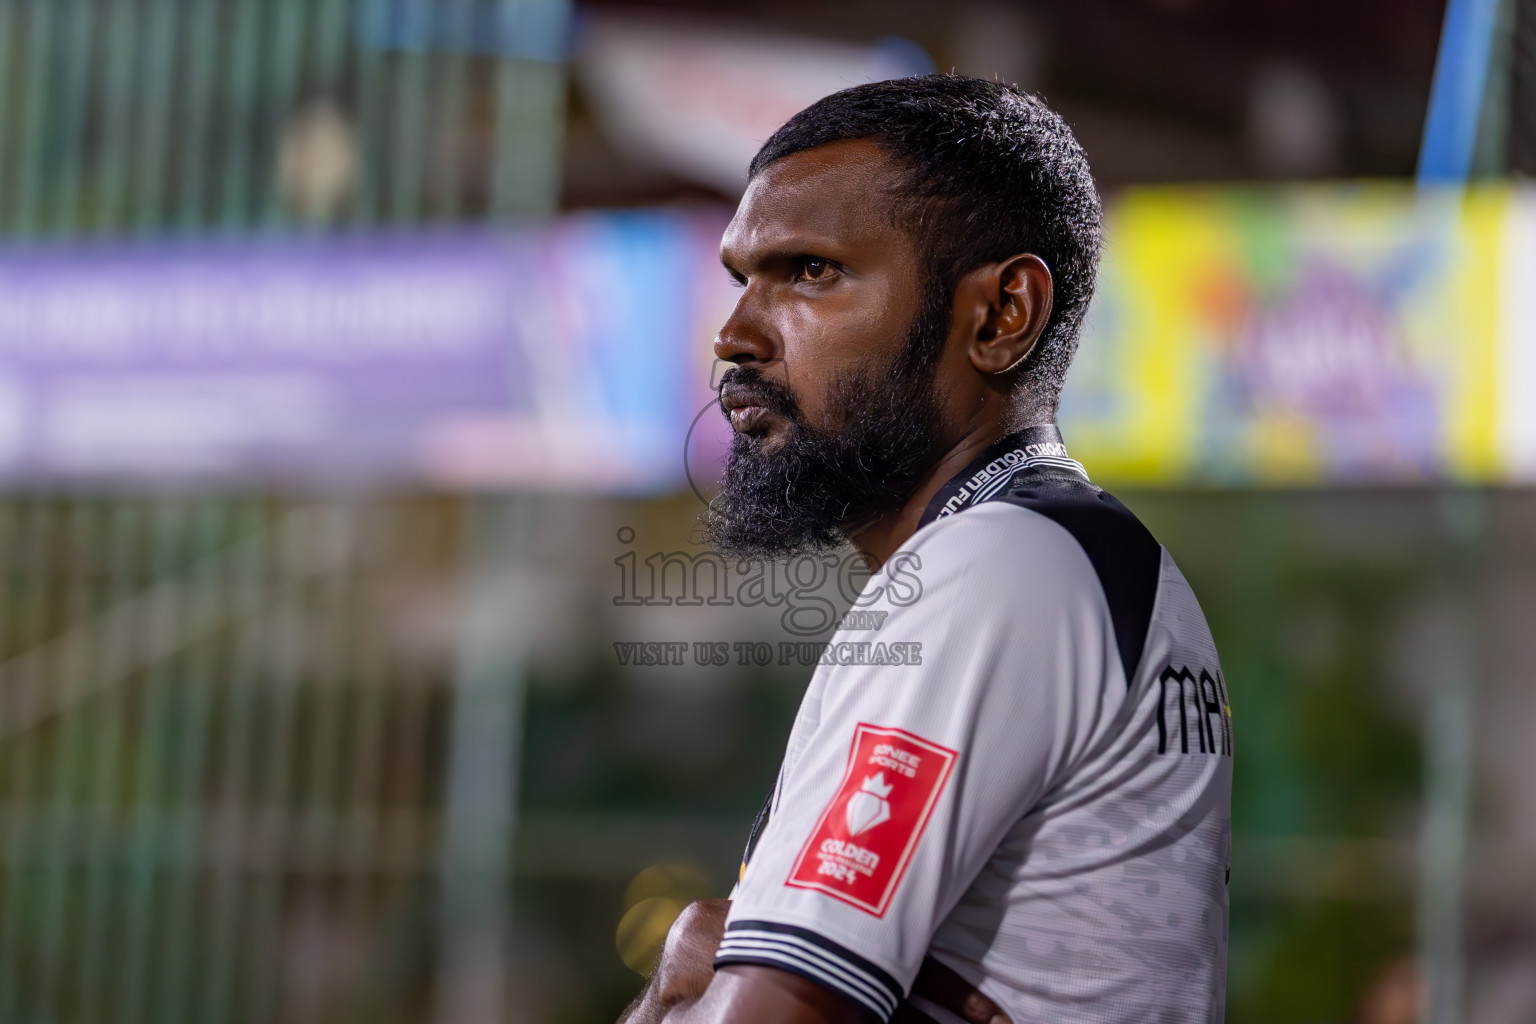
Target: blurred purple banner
{"type": "Point", "coordinates": [565, 356]}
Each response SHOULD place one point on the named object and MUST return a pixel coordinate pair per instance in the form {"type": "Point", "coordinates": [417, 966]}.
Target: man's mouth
{"type": "Point", "coordinates": [746, 418]}
{"type": "Point", "coordinates": [747, 412]}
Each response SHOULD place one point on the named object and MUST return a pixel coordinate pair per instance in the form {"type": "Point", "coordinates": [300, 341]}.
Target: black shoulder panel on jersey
{"type": "Point", "coordinates": [1127, 558]}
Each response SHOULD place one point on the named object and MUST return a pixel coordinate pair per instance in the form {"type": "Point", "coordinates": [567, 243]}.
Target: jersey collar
{"type": "Point", "coordinates": [1032, 447]}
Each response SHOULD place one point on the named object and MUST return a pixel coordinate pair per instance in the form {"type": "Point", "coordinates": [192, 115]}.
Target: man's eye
{"type": "Point", "coordinates": [814, 269]}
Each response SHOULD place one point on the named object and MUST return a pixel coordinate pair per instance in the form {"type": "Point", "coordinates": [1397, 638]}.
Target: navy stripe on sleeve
{"type": "Point", "coordinates": [803, 952]}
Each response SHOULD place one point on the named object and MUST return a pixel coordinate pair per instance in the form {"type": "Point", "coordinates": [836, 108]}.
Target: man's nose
{"type": "Point", "coordinates": [742, 339]}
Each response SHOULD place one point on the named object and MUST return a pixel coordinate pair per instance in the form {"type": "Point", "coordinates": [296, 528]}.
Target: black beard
{"type": "Point", "coordinates": [809, 493]}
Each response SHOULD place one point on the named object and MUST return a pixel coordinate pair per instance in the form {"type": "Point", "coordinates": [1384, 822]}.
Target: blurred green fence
{"type": "Point", "coordinates": [221, 753]}
{"type": "Point", "coordinates": [224, 722]}
{"type": "Point", "coordinates": [143, 115]}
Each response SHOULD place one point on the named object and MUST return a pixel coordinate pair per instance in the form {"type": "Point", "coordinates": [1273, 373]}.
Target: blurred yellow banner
{"type": "Point", "coordinates": [1358, 333]}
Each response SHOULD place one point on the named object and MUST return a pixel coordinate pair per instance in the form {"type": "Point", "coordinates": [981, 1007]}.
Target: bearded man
{"type": "Point", "coordinates": [1030, 820]}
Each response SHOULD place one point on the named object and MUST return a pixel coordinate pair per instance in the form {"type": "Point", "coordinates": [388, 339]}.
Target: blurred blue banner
{"type": "Point", "coordinates": [561, 356]}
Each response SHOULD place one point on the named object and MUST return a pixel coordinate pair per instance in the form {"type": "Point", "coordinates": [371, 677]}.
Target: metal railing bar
{"type": "Point", "coordinates": [418, 736]}
{"type": "Point", "coordinates": [372, 126]}
{"type": "Point", "coordinates": [319, 761]}
{"type": "Point", "coordinates": [160, 63]}
{"type": "Point", "coordinates": [79, 70]}
{"type": "Point", "coordinates": [124, 569]}
{"type": "Point", "coordinates": [325, 72]}
{"type": "Point", "coordinates": [333, 664]}
{"type": "Point", "coordinates": [290, 646]}
{"type": "Point", "coordinates": [412, 82]}
{"type": "Point", "coordinates": [36, 116]}
{"type": "Point", "coordinates": [167, 526]}
{"type": "Point", "coordinates": [286, 60]}
{"type": "Point", "coordinates": [64, 673]}
{"type": "Point", "coordinates": [118, 103]}
{"type": "Point", "coordinates": [370, 660]}
{"type": "Point", "coordinates": [25, 627]}
{"type": "Point", "coordinates": [8, 38]}
{"type": "Point", "coordinates": [530, 115]}
{"type": "Point", "coordinates": [459, 15]}
{"type": "Point", "coordinates": [246, 40]}
{"type": "Point", "coordinates": [202, 50]}
{"type": "Point", "coordinates": [227, 827]}
{"type": "Point", "coordinates": [187, 761]}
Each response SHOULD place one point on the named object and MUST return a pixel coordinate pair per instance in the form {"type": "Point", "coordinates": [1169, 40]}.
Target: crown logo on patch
{"type": "Point", "coordinates": [877, 785]}
{"type": "Point", "coordinates": [868, 807]}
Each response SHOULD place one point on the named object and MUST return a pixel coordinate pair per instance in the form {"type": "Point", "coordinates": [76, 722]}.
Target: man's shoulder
{"type": "Point", "coordinates": [1052, 534]}
{"type": "Point", "coordinates": [995, 538]}
{"type": "Point", "coordinates": [1038, 519]}
{"type": "Point", "coordinates": [998, 561]}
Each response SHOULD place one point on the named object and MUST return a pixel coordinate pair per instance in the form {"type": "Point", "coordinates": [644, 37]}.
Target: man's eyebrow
{"type": "Point", "coordinates": [780, 250]}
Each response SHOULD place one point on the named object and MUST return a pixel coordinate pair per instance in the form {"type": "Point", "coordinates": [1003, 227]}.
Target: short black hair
{"type": "Point", "coordinates": [990, 172]}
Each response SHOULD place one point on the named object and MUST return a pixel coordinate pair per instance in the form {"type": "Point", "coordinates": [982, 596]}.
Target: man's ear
{"type": "Point", "coordinates": [1014, 306]}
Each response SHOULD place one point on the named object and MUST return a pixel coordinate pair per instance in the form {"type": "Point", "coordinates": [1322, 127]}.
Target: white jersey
{"type": "Point", "coordinates": [1025, 773]}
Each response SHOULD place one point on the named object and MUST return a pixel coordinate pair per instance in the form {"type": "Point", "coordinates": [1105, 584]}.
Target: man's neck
{"type": "Point", "coordinates": [881, 539]}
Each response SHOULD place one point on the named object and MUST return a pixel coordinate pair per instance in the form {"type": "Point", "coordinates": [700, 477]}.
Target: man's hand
{"type": "Point", "coordinates": [686, 968]}
{"type": "Point", "coordinates": [943, 987]}
{"type": "Point", "coordinates": [687, 963]}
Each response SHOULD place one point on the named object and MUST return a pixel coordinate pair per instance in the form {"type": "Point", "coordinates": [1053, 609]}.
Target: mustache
{"type": "Point", "coordinates": [747, 385]}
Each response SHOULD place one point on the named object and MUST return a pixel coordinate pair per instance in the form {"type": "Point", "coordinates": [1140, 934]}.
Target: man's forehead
{"type": "Point", "coordinates": [836, 192]}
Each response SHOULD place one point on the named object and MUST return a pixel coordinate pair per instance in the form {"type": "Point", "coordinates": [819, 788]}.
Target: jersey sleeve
{"type": "Point", "coordinates": [926, 754]}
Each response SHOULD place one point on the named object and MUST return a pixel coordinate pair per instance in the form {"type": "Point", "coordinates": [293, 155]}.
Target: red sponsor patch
{"type": "Point", "coordinates": [860, 848]}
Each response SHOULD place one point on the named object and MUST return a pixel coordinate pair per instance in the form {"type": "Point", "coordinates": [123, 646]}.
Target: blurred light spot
{"type": "Point", "coordinates": [682, 882]}
{"type": "Point", "coordinates": [643, 929]}
{"type": "Point", "coordinates": [1294, 125]}
{"type": "Point", "coordinates": [653, 900]}
{"type": "Point", "coordinates": [317, 160]}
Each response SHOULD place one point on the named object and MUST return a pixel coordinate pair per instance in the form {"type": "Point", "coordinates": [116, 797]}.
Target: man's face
{"type": "Point", "coordinates": [834, 338]}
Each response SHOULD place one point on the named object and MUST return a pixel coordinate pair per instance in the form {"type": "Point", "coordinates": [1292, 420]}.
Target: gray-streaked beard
{"type": "Point", "coordinates": [809, 493]}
